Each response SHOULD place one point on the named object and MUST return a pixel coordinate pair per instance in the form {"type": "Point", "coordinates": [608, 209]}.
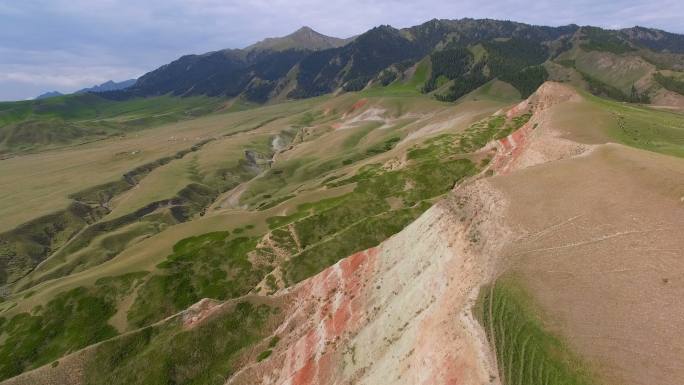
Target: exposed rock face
{"type": "Point", "coordinates": [537, 141]}
{"type": "Point", "coordinates": [398, 313]}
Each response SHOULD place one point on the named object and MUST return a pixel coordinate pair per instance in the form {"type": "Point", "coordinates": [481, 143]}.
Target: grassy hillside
{"type": "Point", "coordinates": [315, 184]}
{"type": "Point", "coordinates": [526, 352]}
{"type": "Point", "coordinates": [249, 202]}
{"type": "Point", "coordinates": [70, 119]}
{"type": "Point", "coordinates": [629, 124]}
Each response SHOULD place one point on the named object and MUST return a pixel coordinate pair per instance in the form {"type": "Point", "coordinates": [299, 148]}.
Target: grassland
{"type": "Point", "coordinates": [72, 119]}
{"type": "Point", "coordinates": [163, 354]}
{"type": "Point", "coordinates": [404, 87]}
{"type": "Point", "coordinates": [629, 124]}
{"type": "Point", "coordinates": [182, 182]}
{"type": "Point", "coordinates": [280, 191]}
{"type": "Point", "coordinates": [72, 320]}
{"type": "Point", "coordinates": [526, 353]}
{"type": "Point", "coordinates": [41, 183]}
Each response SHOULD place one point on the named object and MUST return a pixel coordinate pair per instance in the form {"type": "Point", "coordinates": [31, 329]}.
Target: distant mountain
{"type": "Point", "coordinates": [304, 38]}
{"type": "Point", "coordinates": [459, 56]}
{"type": "Point", "coordinates": [109, 86]}
{"type": "Point", "coordinates": [104, 87]}
{"type": "Point", "coordinates": [47, 95]}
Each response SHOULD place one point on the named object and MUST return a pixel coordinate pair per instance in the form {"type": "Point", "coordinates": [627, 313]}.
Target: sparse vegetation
{"type": "Point", "coordinates": [72, 320]}
{"type": "Point", "coordinates": [207, 266]}
{"type": "Point", "coordinates": [527, 354]}
{"type": "Point", "coordinates": [600, 88]}
{"type": "Point", "coordinates": [168, 354]}
{"type": "Point", "coordinates": [645, 128]}
{"type": "Point", "coordinates": [670, 83]}
{"type": "Point", "coordinates": [59, 121]}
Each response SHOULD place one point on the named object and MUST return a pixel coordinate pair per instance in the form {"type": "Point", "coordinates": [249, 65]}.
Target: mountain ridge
{"type": "Point", "coordinates": [107, 86]}
{"type": "Point", "coordinates": [305, 38]}
{"type": "Point", "coordinates": [288, 68]}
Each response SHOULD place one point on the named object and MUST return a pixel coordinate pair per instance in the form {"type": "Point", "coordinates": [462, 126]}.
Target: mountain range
{"type": "Point", "coordinates": [109, 85]}
{"type": "Point", "coordinates": [461, 55]}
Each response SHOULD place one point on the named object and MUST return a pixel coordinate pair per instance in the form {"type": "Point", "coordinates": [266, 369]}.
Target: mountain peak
{"type": "Point", "coordinates": [305, 38]}
{"type": "Point", "coordinates": [305, 29]}
{"type": "Point", "coordinates": [47, 95]}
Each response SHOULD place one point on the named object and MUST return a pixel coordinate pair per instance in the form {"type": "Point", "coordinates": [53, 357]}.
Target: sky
{"type": "Point", "coordinates": [67, 45]}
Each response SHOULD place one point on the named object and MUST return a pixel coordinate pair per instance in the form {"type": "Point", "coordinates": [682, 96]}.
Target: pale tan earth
{"type": "Point", "coordinates": [599, 243]}
{"type": "Point", "coordinates": [594, 230]}
{"type": "Point", "coordinates": [668, 99]}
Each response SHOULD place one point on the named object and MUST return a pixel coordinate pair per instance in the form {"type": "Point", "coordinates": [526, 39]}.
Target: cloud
{"type": "Point", "coordinates": [64, 78]}
{"type": "Point", "coordinates": [71, 43]}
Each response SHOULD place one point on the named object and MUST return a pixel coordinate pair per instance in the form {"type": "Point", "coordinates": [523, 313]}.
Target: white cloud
{"type": "Point", "coordinates": [66, 79]}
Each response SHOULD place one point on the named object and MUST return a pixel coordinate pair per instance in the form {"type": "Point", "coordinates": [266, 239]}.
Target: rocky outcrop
{"type": "Point", "coordinates": [398, 313]}
{"type": "Point", "coordinates": [538, 141]}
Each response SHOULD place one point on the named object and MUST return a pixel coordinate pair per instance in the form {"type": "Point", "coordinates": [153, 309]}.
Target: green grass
{"type": "Point", "coordinates": [264, 355]}
{"type": "Point", "coordinates": [484, 131]}
{"type": "Point", "coordinates": [367, 232]}
{"type": "Point", "coordinates": [72, 320]}
{"type": "Point", "coordinates": [357, 134]}
{"type": "Point", "coordinates": [224, 265]}
{"type": "Point", "coordinates": [354, 145]}
{"type": "Point", "coordinates": [167, 354]}
{"type": "Point", "coordinates": [212, 265]}
{"type": "Point", "coordinates": [364, 218]}
{"type": "Point", "coordinates": [526, 352]}
{"type": "Point", "coordinates": [104, 240]}
{"type": "Point", "coordinates": [645, 128]}
{"type": "Point", "coordinates": [29, 125]}
{"type": "Point", "coordinates": [410, 87]}
{"type": "Point", "coordinates": [600, 88]}
{"type": "Point", "coordinates": [22, 248]}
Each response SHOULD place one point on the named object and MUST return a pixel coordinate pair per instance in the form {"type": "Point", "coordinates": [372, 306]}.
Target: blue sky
{"type": "Point", "coordinates": [66, 45]}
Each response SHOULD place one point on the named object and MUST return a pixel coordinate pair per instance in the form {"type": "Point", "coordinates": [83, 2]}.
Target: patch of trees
{"type": "Point", "coordinates": [354, 64]}
{"type": "Point", "coordinates": [669, 83]}
{"type": "Point", "coordinates": [528, 79]}
{"type": "Point", "coordinates": [316, 74]}
{"type": "Point", "coordinates": [386, 77]}
{"type": "Point", "coordinates": [597, 39]}
{"type": "Point", "coordinates": [599, 88]}
{"type": "Point", "coordinates": [356, 84]}
{"type": "Point", "coordinates": [465, 84]}
{"type": "Point", "coordinates": [518, 62]}
{"type": "Point", "coordinates": [450, 63]}
{"type": "Point", "coordinates": [376, 50]}
{"type": "Point", "coordinates": [260, 91]}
